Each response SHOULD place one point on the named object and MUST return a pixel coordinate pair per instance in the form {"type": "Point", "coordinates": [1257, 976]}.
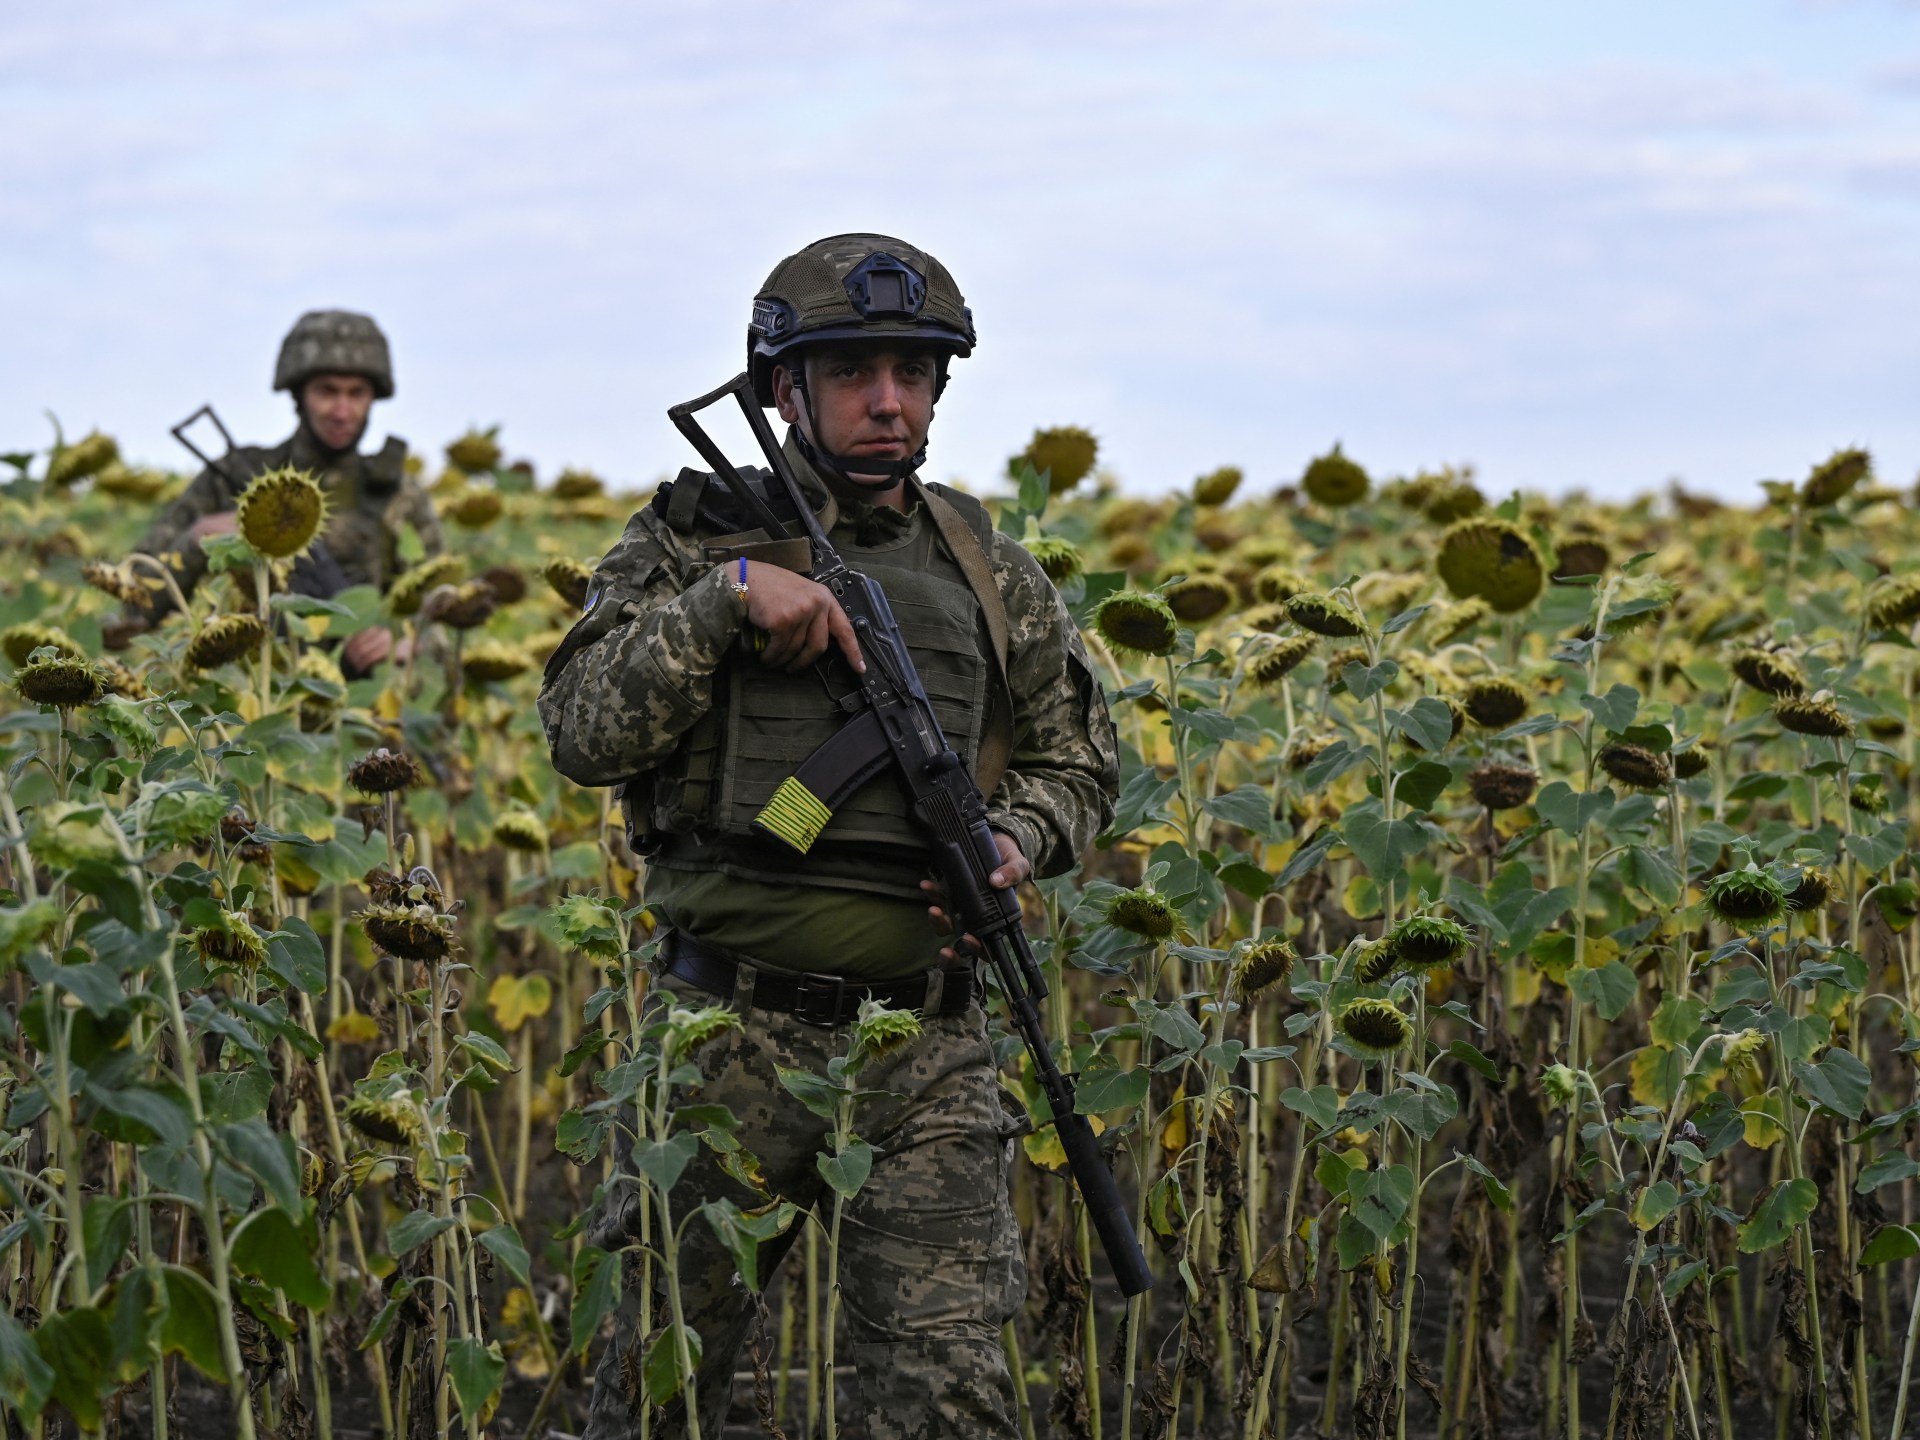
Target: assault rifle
{"type": "Point", "coordinates": [895, 728]}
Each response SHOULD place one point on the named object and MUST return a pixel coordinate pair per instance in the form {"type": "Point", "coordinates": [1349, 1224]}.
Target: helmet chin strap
{"type": "Point", "coordinates": [875, 476]}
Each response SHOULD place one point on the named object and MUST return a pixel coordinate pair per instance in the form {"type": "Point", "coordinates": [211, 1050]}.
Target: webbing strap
{"type": "Point", "coordinates": [996, 737]}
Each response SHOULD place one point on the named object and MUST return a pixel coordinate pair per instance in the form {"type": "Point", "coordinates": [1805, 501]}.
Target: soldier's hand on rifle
{"type": "Point", "coordinates": [365, 649]}
{"type": "Point", "coordinates": [221, 522]}
{"type": "Point", "coordinates": [800, 618]}
{"type": "Point", "coordinates": [1013, 869]}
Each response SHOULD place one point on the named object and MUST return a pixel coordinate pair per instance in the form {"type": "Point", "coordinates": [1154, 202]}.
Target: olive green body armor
{"type": "Point", "coordinates": [765, 722]}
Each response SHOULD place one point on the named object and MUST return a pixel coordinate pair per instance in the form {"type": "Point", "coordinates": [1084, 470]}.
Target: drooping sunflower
{"type": "Point", "coordinates": [1494, 560]}
{"type": "Point", "coordinates": [1134, 620]}
{"type": "Point", "coordinates": [281, 511]}
{"type": "Point", "coordinates": [1064, 454]}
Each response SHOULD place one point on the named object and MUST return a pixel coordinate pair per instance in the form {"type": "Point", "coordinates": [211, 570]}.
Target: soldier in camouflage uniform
{"type": "Point", "coordinates": [336, 365]}
{"type": "Point", "coordinates": [691, 681]}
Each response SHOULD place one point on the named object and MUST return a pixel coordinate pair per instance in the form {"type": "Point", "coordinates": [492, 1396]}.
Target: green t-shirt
{"type": "Point", "coordinates": [799, 927]}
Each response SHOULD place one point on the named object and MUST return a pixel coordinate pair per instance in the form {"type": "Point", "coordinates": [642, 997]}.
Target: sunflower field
{"type": "Point", "coordinates": [1499, 989]}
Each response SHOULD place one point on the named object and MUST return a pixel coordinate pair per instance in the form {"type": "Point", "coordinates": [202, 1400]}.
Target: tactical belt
{"type": "Point", "coordinates": [822, 1000]}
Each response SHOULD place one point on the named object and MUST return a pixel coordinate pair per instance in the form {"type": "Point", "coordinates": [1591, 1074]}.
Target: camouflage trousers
{"type": "Point", "coordinates": [931, 1264]}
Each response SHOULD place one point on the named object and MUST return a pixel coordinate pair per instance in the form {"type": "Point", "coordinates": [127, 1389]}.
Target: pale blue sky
{"type": "Point", "coordinates": [1577, 244]}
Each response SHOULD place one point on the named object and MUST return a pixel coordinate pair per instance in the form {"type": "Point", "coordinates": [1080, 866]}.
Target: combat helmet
{"type": "Point", "coordinates": [334, 342]}
{"type": "Point", "coordinates": [856, 287]}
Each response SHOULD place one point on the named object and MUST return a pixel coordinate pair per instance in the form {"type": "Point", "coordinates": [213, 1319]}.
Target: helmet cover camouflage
{"type": "Point", "coordinates": [855, 287]}
{"type": "Point", "coordinates": [334, 342]}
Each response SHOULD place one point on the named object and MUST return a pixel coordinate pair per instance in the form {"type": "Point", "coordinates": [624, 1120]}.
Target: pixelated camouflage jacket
{"type": "Point", "coordinates": [371, 499]}
{"type": "Point", "coordinates": [639, 668]}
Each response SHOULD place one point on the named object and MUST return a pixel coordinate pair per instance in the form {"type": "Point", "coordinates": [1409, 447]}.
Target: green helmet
{"type": "Point", "coordinates": [334, 342]}
{"type": "Point", "coordinates": [855, 287]}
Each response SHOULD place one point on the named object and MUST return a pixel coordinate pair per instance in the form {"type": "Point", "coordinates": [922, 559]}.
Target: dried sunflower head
{"type": "Point", "coordinates": [1893, 602]}
{"type": "Point", "coordinates": [1385, 593]}
{"type": "Point", "coordinates": [494, 660]}
{"type": "Point", "coordinates": [466, 606]}
{"type": "Point", "coordinates": [393, 1119]}
{"type": "Point", "coordinates": [1814, 892]}
{"type": "Point", "coordinates": [1500, 786]}
{"type": "Point", "coordinates": [1494, 560]}
{"type": "Point", "coordinates": [1447, 623]}
{"type": "Point", "coordinates": [509, 586]}
{"type": "Point", "coordinates": [1451, 500]}
{"type": "Point", "coordinates": [1635, 766]}
{"type": "Point", "coordinates": [520, 830]}
{"type": "Point", "coordinates": [477, 450]}
{"type": "Point", "coordinates": [1133, 553]}
{"type": "Point", "coordinates": [1375, 1028]}
{"type": "Point", "coordinates": [1335, 481]}
{"type": "Point", "coordinates": [1275, 663]}
{"type": "Point", "coordinates": [569, 579]}
{"type": "Point", "coordinates": [1145, 913]}
{"type": "Point", "coordinates": [1305, 749]}
{"type": "Point", "coordinates": [572, 484]}
{"type": "Point", "coordinates": [281, 511]}
{"type": "Point", "coordinates": [118, 581]}
{"type": "Point", "coordinates": [1266, 618]}
{"type": "Point", "coordinates": [1744, 898]}
{"type": "Point", "coordinates": [1651, 597]}
{"type": "Point", "coordinates": [58, 681]}
{"type": "Point", "coordinates": [1374, 964]}
{"type": "Point", "coordinates": [1834, 478]}
{"type": "Point", "coordinates": [128, 484]}
{"type": "Point", "coordinates": [1136, 621]}
{"type": "Point", "coordinates": [1813, 717]}
{"type": "Point", "coordinates": [1494, 702]}
{"type": "Point", "coordinates": [1064, 454]}
{"type": "Point", "coordinates": [1583, 556]}
{"type": "Point", "coordinates": [1425, 942]}
{"type": "Point", "coordinates": [1771, 672]}
{"type": "Point", "coordinates": [383, 771]}
{"type": "Point", "coordinates": [1692, 761]}
{"type": "Point", "coordinates": [89, 455]}
{"type": "Point", "coordinates": [1199, 598]}
{"type": "Point", "coordinates": [407, 591]}
{"type": "Point", "coordinates": [1217, 486]}
{"type": "Point", "coordinates": [1130, 516]}
{"type": "Point", "coordinates": [1277, 583]}
{"type": "Point", "coordinates": [1867, 799]}
{"type": "Point", "coordinates": [225, 638]}
{"type": "Point", "coordinates": [117, 679]}
{"type": "Point", "coordinates": [413, 932]}
{"type": "Point", "coordinates": [1060, 559]}
{"type": "Point", "coordinates": [234, 943]}
{"type": "Point", "coordinates": [474, 508]}
{"type": "Point", "coordinates": [1324, 615]}
{"type": "Point", "coordinates": [1262, 965]}
{"type": "Point", "coordinates": [20, 641]}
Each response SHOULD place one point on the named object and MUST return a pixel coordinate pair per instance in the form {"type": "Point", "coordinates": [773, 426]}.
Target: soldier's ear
{"type": "Point", "coordinates": [784, 399]}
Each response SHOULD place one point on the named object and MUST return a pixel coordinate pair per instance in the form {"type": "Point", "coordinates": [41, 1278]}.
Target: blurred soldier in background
{"type": "Point", "coordinates": [335, 364]}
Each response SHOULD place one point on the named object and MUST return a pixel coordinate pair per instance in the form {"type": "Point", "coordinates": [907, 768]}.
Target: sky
{"type": "Point", "coordinates": [1577, 245]}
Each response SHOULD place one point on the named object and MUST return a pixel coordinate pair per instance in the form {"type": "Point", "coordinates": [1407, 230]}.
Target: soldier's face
{"type": "Point", "coordinates": [336, 409]}
{"type": "Point", "coordinates": [867, 400]}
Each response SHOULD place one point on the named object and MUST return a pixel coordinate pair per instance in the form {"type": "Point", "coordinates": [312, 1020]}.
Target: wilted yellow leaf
{"type": "Point", "coordinates": [356, 1027]}
{"type": "Point", "coordinates": [1759, 1117]}
{"type": "Point", "coordinates": [516, 999]}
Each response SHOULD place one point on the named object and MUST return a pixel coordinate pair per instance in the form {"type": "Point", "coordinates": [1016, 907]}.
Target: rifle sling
{"type": "Point", "coordinates": [996, 737]}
